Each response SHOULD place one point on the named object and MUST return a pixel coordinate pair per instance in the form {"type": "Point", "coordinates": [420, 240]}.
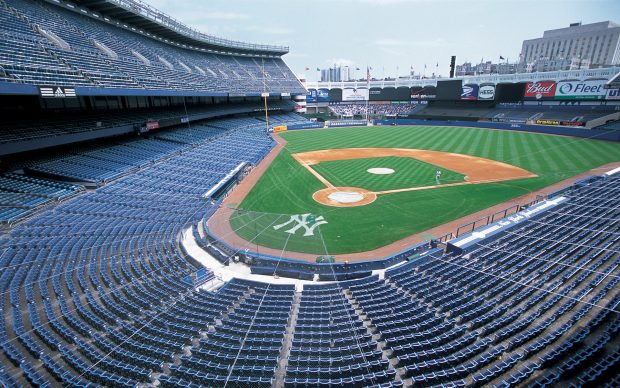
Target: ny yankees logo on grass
{"type": "Point", "coordinates": [307, 221]}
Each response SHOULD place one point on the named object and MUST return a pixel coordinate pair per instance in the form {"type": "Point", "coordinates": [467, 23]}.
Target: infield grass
{"type": "Point", "coordinates": [287, 188]}
{"type": "Point", "coordinates": [408, 172]}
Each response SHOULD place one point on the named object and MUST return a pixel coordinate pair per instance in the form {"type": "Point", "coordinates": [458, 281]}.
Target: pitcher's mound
{"type": "Point", "coordinates": [380, 171]}
{"type": "Point", "coordinates": [344, 196]}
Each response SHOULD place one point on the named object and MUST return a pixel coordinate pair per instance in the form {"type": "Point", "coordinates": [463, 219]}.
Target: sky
{"type": "Point", "coordinates": [390, 36]}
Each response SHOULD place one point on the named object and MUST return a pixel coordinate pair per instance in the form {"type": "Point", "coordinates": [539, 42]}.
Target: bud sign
{"type": "Point", "coordinates": [539, 90]}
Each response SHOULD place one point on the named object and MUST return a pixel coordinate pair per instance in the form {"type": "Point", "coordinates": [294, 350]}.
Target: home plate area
{"type": "Point", "coordinates": [346, 196]}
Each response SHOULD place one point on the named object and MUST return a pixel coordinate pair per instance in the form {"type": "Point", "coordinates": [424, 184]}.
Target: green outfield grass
{"type": "Point", "coordinates": [408, 172]}
{"type": "Point", "coordinates": [287, 187]}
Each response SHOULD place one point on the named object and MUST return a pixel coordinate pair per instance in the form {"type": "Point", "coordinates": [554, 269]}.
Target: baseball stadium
{"type": "Point", "coordinates": [183, 210]}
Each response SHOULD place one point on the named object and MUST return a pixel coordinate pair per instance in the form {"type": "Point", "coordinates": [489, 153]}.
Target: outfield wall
{"type": "Point", "coordinates": [550, 130]}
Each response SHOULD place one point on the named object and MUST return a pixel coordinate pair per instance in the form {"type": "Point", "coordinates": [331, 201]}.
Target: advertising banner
{"type": "Point", "coordinates": [311, 96]}
{"type": "Point", "coordinates": [539, 90]}
{"type": "Point", "coordinates": [150, 125]}
{"type": "Point", "coordinates": [469, 92]}
{"type": "Point", "coordinates": [375, 94]}
{"type": "Point", "coordinates": [322, 95]}
{"type": "Point", "coordinates": [486, 92]}
{"type": "Point", "coordinates": [580, 90]}
{"type": "Point", "coordinates": [426, 93]}
{"type": "Point", "coordinates": [56, 92]}
{"type": "Point", "coordinates": [613, 94]}
{"type": "Point", "coordinates": [355, 94]}
{"type": "Point", "coordinates": [547, 122]}
{"type": "Point", "coordinates": [573, 123]}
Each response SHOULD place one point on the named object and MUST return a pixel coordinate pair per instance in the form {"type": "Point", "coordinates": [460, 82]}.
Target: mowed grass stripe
{"type": "Point", "coordinates": [550, 161]}
{"type": "Point", "coordinates": [287, 187]}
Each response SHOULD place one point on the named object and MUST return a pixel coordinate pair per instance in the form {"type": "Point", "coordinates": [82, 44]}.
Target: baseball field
{"type": "Point", "coordinates": [346, 190]}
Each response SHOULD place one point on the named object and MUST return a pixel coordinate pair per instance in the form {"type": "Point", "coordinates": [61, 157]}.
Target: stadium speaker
{"type": "Point", "coordinates": [452, 64]}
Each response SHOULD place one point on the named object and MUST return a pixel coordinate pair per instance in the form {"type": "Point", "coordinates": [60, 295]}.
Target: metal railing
{"type": "Point", "coordinates": [471, 226]}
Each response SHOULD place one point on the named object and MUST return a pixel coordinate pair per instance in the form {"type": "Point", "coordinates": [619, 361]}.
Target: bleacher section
{"type": "Point", "coordinates": [360, 109]}
{"type": "Point", "coordinates": [44, 44]}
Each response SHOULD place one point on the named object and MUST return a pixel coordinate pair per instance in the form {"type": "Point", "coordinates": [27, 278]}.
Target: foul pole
{"type": "Point", "coordinates": [368, 90]}
{"type": "Point", "coordinates": [265, 94]}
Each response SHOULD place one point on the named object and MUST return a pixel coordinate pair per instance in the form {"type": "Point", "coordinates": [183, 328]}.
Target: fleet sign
{"type": "Point", "coordinates": [580, 90]}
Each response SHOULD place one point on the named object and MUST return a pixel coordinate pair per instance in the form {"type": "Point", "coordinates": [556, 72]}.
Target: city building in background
{"type": "Point", "coordinates": [338, 74]}
{"type": "Point", "coordinates": [486, 67]}
{"type": "Point", "coordinates": [579, 46]}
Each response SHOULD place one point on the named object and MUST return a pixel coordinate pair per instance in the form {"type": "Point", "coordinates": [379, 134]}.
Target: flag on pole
{"type": "Point", "coordinates": [317, 69]}
{"type": "Point", "coordinates": [307, 68]}
{"type": "Point", "coordinates": [500, 57]}
{"type": "Point", "coordinates": [357, 68]}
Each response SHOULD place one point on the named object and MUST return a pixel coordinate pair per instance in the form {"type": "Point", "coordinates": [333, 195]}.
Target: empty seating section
{"type": "Point", "coordinates": [244, 348]}
{"type": "Point", "coordinates": [45, 44]}
{"type": "Point", "coordinates": [21, 194]}
{"type": "Point", "coordinates": [612, 126]}
{"type": "Point", "coordinates": [284, 119]}
{"type": "Point", "coordinates": [100, 164]}
{"type": "Point", "coordinates": [105, 163]}
{"type": "Point", "coordinates": [94, 292]}
{"type": "Point", "coordinates": [19, 128]}
{"type": "Point", "coordinates": [514, 114]}
{"type": "Point", "coordinates": [331, 346]}
{"type": "Point", "coordinates": [511, 298]}
{"type": "Point", "coordinates": [93, 286]}
{"type": "Point", "coordinates": [556, 113]}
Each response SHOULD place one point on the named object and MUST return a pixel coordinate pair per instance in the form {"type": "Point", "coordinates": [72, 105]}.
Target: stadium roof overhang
{"type": "Point", "coordinates": [140, 15]}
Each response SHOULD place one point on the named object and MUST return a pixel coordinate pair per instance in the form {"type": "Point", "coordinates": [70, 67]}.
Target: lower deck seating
{"type": "Point", "coordinates": [20, 194]}
{"type": "Point", "coordinates": [95, 292]}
